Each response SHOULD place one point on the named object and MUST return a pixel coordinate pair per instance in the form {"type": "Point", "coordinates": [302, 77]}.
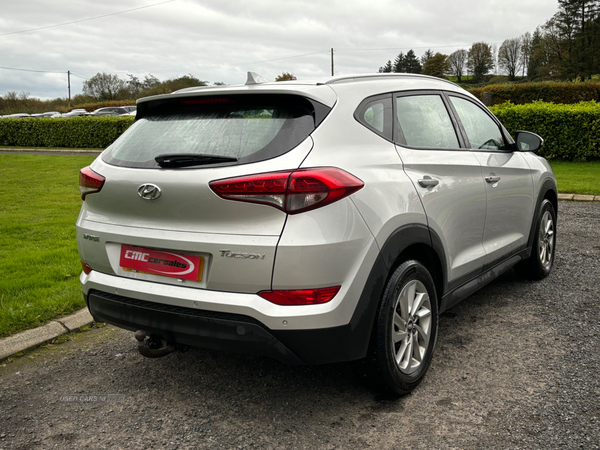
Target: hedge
{"type": "Point", "coordinates": [546, 91]}
{"type": "Point", "coordinates": [72, 132]}
{"type": "Point", "coordinates": [570, 132]}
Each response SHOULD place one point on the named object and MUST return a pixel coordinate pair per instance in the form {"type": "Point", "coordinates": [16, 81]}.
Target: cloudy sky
{"type": "Point", "coordinates": [220, 40]}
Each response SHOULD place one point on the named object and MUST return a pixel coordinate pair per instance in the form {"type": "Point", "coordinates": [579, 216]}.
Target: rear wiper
{"type": "Point", "coordinates": [190, 159]}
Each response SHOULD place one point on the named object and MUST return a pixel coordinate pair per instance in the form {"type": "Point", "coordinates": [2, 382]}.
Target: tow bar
{"type": "Point", "coordinates": [154, 346]}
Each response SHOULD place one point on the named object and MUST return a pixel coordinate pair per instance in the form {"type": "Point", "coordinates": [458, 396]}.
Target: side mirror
{"type": "Point", "coordinates": [528, 142]}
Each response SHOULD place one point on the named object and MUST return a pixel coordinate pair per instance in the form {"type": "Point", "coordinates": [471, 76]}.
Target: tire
{"type": "Point", "coordinates": [540, 263]}
{"type": "Point", "coordinates": [405, 330]}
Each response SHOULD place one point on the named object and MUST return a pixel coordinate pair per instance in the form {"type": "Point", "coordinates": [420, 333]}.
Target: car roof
{"type": "Point", "coordinates": [323, 90]}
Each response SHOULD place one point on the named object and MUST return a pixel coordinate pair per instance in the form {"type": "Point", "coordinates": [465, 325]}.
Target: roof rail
{"type": "Point", "coordinates": [369, 77]}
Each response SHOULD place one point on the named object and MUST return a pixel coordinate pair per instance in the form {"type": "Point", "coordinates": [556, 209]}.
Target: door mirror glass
{"type": "Point", "coordinates": [528, 142]}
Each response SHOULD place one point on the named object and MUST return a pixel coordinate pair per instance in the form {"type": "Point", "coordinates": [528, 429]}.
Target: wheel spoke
{"type": "Point", "coordinates": [399, 331]}
{"type": "Point", "coordinates": [403, 302]}
{"type": "Point", "coordinates": [410, 297]}
{"type": "Point", "coordinates": [425, 336]}
{"type": "Point", "coordinates": [400, 355]}
{"type": "Point", "coordinates": [421, 297]}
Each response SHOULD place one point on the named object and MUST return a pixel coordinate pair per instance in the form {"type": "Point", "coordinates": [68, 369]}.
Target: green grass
{"type": "Point", "coordinates": [39, 264]}
{"type": "Point", "coordinates": [577, 177]}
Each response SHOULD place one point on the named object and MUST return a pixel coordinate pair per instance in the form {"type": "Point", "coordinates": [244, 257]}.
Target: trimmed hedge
{"type": "Point", "coordinates": [570, 132]}
{"type": "Point", "coordinates": [546, 91]}
{"type": "Point", "coordinates": [72, 132]}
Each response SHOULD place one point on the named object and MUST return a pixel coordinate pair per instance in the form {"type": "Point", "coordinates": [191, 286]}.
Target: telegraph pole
{"type": "Point", "coordinates": [69, 85]}
{"type": "Point", "coordinates": [331, 61]}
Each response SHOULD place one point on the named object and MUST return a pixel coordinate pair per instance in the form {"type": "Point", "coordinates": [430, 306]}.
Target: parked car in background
{"type": "Point", "coordinates": [18, 116]}
{"type": "Point", "coordinates": [311, 222]}
{"type": "Point", "coordinates": [75, 113]}
{"type": "Point", "coordinates": [47, 114]}
{"type": "Point", "coordinates": [109, 111]}
{"type": "Point", "coordinates": [130, 108]}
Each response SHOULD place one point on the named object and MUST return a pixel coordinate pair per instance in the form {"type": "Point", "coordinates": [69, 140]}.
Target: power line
{"type": "Point", "coordinates": [29, 70]}
{"type": "Point", "coordinates": [85, 20]}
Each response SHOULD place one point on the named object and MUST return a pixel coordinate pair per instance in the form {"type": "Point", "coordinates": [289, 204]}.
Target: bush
{"type": "Point", "coordinates": [570, 132]}
{"type": "Point", "coordinates": [547, 91]}
{"type": "Point", "coordinates": [73, 132]}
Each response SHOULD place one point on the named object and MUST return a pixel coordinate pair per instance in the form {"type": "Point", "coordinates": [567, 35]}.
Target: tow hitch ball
{"type": "Point", "coordinates": [152, 347]}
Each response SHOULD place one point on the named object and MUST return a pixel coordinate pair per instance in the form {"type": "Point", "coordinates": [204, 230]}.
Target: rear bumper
{"type": "Point", "coordinates": [229, 332]}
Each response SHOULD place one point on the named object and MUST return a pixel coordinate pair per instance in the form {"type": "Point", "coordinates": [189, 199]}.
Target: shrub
{"type": "Point", "coordinates": [73, 132]}
{"type": "Point", "coordinates": [547, 91]}
{"type": "Point", "coordinates": [570, 132]}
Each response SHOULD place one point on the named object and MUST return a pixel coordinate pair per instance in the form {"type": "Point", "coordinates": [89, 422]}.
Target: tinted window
{"type": "Point", "coordinates": [424, 122]}
{"type": "Point", "coordinates": [247, 127]}
{"type": "Point", "coordinates": [482, 131]}
{"type": "Point", "coordinates": [376, 114]}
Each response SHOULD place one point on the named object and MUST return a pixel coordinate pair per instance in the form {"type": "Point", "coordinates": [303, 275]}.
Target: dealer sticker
{"type": "Point", "coordinates": [163, 263]}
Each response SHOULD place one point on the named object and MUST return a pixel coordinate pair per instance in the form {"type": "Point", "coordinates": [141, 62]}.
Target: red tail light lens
{"type": "Point", "coordinates": [301, 297]}
{"type": "Point", "coordinates": [86, 268]}
{"type": "Point", "coordinates": [89, 182]}
{"type": "Point", "coordinates": [292, 191]}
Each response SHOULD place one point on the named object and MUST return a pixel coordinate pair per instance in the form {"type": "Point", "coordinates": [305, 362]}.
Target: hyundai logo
{"type": "Point", "coordinates": [149, 191]}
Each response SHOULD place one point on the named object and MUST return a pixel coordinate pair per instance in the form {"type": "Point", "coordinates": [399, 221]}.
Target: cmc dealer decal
{"type": "Point", "coordinates": [161, 263]}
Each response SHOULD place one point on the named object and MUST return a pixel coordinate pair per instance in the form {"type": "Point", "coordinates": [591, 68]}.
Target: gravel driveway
{"type": "Point", "coordinates": [516, 366]}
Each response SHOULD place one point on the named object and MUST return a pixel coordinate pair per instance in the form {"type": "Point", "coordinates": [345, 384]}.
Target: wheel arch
{"type": "Point", "coordinates": [548, 191]}
{"type": "Point", "coordinates": [417, 242]}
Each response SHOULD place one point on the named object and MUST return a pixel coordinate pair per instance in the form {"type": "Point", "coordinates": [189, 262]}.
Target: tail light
{"type": "Point", "coordinates": [89, 182]}
{"type": "Point", "coordinates": [292, 191]}
{"type": "Point", "coordinates": [86, 268]}
{"type": "Point", "coordinates": [301, 297]}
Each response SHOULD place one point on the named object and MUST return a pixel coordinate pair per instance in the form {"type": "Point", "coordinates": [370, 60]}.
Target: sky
{"type": "Point", "coordinates": [221, 40]}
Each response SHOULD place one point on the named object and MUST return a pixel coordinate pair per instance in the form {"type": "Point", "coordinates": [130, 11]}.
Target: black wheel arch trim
{"type": "Point", "coordinates": [548, 185]}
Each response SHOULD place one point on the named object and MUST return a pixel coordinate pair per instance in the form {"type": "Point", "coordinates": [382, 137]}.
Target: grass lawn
{"type": "Point", "coordinates": [39, 264]}
{"type": "Point", "coordinates": [577, 178]}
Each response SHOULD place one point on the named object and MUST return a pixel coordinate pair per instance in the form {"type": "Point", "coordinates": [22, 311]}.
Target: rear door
{"type": "Point", "coordinates": [447, 177]}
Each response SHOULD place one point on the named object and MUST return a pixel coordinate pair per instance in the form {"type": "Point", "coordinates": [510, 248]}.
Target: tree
{"type": "Point", "coordinates": [411, 62]}
{"type": "Point", "coordinates": [437, 66]}
{"type": "Point", "coordinates": [457, 62]}
{"type": "Point", "coordinates": [509, 57]}
{"type": "Point", "coordinates": [426, 56]}
{"type": "Point", "coordinates": [285, 76]}
{"type": "Point", "coordinates": [387, 68]}
{"type": "Point", "coordinates": [104, 86]}
{"type": "Point", "coordinates": [526, 50]}
{"type": "Point", "coordinates": [480, 60]}
{"type": "Point", "coordinates": [399, 65]}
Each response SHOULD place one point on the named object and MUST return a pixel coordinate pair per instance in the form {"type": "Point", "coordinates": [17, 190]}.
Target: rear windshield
{"type": "Point", "coordinates": [249, 128]}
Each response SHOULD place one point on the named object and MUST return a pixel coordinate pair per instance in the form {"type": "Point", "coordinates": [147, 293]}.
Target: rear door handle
{"type": "Point", "coordinates": [427, 181]}
{"type": "Point", "coordinates": [492, 179]}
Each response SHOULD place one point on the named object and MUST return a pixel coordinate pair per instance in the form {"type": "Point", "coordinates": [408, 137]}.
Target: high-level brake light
{"type": "Point", "coordinates": [292, 191]}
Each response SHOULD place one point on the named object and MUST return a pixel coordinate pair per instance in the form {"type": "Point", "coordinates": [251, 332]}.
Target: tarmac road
{"type": "Point", "coordinates": [516, 366]}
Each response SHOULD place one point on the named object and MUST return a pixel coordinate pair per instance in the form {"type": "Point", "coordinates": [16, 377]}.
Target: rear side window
{"type": "Point", "coordinates": [248, 127]}
{"type": "Point", "coordinates": [424, 122]}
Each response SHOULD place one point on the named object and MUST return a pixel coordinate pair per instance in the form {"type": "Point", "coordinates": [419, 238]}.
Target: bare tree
{"type": "Point", "coordinates": [509, 57]}
{"type": "Point", "coordinates": [458, 62]}
{"type": "Point", "coordinates": [526, 50]}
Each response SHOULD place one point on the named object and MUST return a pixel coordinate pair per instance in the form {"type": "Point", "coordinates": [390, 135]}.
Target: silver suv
{"type": "Point", "coordinates": [311, 222]}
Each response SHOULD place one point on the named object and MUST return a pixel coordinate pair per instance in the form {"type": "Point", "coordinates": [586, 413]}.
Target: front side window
{"type": "Point", "coordinates": [483, 133]}
{"type": "Point", "coordinates": [424, 122]}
